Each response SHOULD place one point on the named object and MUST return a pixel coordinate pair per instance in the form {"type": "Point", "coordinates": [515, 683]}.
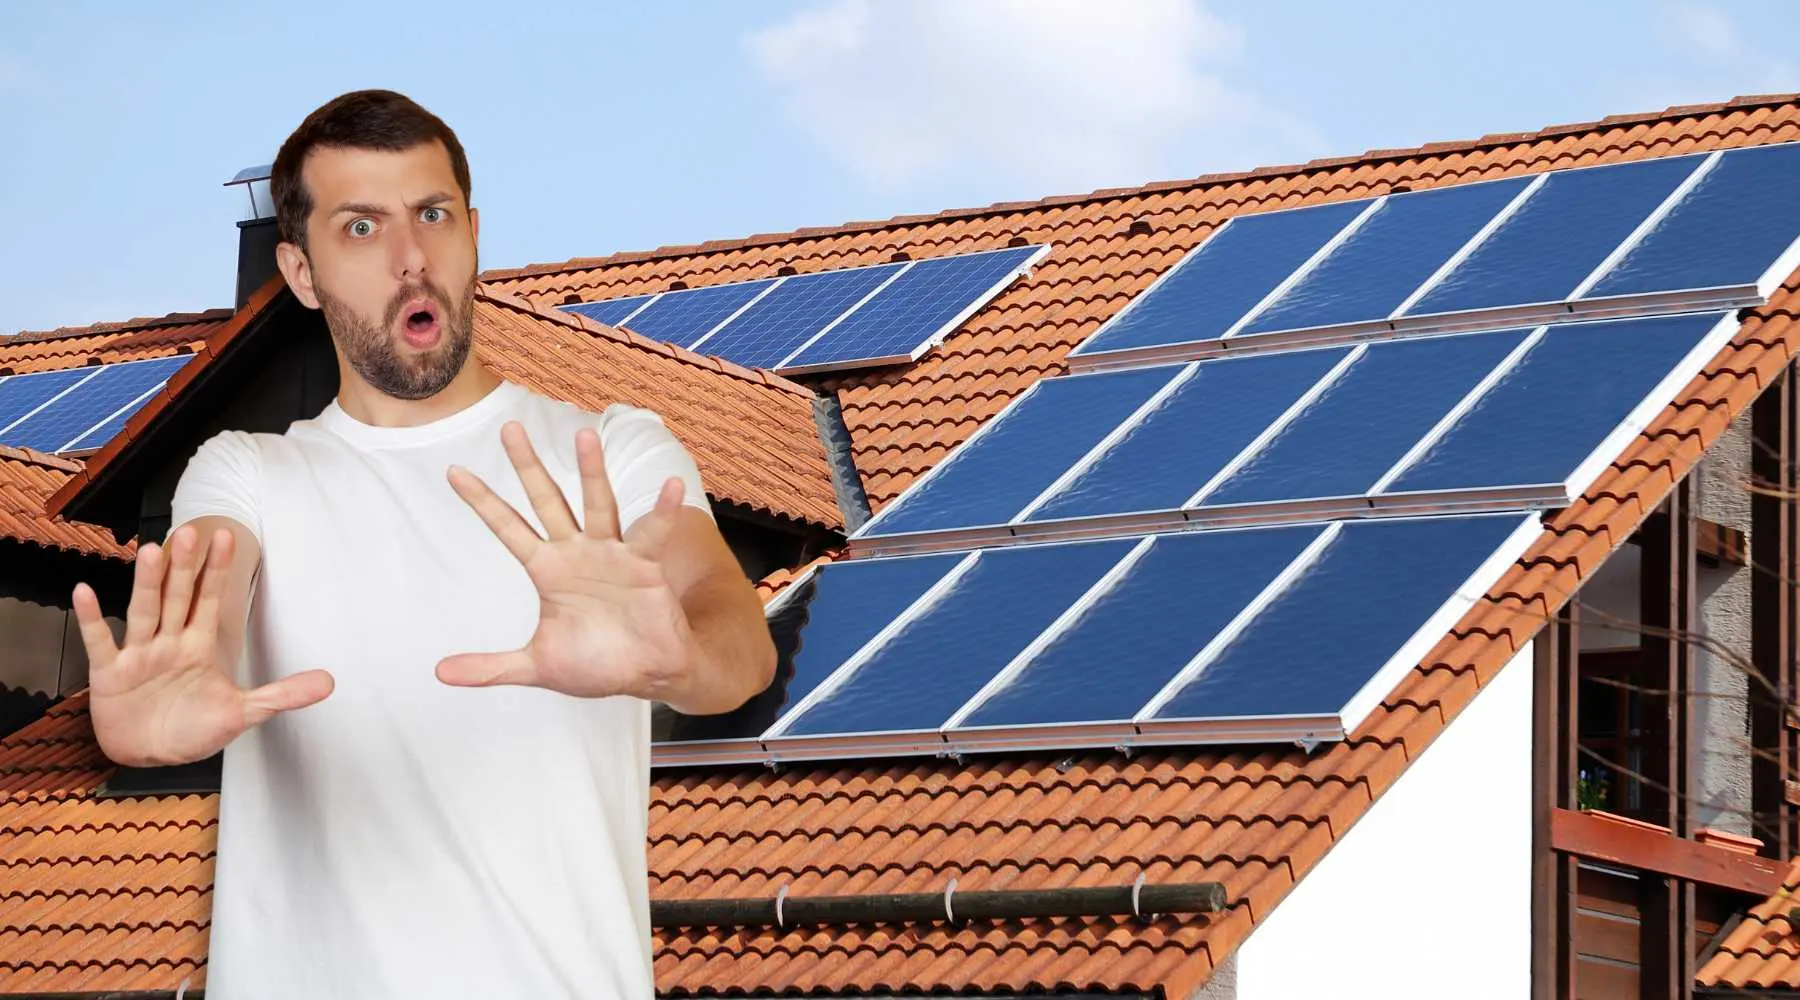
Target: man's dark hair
{"type": "Point", "coordinates": [363, 119]}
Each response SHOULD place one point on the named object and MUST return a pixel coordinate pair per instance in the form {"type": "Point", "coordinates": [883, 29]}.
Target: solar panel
{"type": "Point", "coordinates": [110, 395]}
{"type": "Point", "coordinates": [686, 316]}
{"type": "Point", "coordinates": [1209, 290]}
{"type": "Point", "coordinates": [1679, 234]}
{"type": "Point", "coordinates": [1546, 249]}
{"type": "Point", "coordinates": [828, 321]}
{"type": "Point", "coordinates": [22, 395]}
{"type": "Point", "coordinates": [980, 620]}
{"type": "Point", "coordinates": [793, 312]}
{"type": "Point", "coordinates": [1739, 218]}
{"type": "Point", "coordinates": [1196, 433]}
{"type": "Point", "coordinates": [1364, 423]}
{"type": "Point", "coordinates": [1578, 386]}
{"type": "Point", "coordinates": [916, 310]}
{"type": "Point", "coordinates": [1394, 249]}
{"type": "Point", "coordinates": [1370, 600]}
{"type": "Point", "coordinates": [1011, 460]}
{"type": "Point", "coordinates": [1169, 604]}
{"type": "Point", "coordinates": [612, 312]}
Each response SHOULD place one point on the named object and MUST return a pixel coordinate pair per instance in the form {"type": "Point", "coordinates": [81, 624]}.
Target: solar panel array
{"type": "Point", "coordinates": [1690, 232]}
{"type": "Point", "coordinates": [78, 409]}
{"type": "Point", "coordinates": [831, 320]}
{"type": "Point", "coordinates": [1275, 485]}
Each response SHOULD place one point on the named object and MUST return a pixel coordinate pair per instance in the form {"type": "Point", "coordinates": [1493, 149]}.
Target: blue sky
{"type": "Point", "coordinates": [600, 127]}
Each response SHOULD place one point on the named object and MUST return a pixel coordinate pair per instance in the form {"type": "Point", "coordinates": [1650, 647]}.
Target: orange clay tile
{"type": "Point", "coordinates": [107, 892]}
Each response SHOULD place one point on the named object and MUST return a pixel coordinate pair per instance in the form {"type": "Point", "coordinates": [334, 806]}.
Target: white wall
{"type": "Point", "coordinates": [1429, 895]}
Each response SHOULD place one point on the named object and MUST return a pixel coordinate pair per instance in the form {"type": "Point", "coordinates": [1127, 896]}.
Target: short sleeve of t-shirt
{"type": "Point", "coordinates": [220, 480]}
{"type": "Point", "coordinates": [642, 454]}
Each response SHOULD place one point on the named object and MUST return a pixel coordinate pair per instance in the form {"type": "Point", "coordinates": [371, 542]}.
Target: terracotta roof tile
{"type": "Point", "coordinates": [27, 480]}
{"type": "Point", "coordinates": [1763, 952]}
{"type": "Point", "coordinates": [1255, 818]}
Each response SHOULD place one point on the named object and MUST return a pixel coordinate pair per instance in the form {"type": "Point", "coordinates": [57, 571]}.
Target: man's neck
{"type": "Point", "coordinates": [378, 409]}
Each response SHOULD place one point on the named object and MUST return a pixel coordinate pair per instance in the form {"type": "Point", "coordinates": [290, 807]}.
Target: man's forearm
{"type": "Point", "coordinates": [735, 656]}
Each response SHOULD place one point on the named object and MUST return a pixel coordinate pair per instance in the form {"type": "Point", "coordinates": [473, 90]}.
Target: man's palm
{"type": "Point", "coordinates": [608, 621]}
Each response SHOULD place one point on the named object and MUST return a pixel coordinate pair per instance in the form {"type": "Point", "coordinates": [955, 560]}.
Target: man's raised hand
{"type": "Point", "coordinates": [166, 695]}
{"type": "Point", "coordinates": [609, 623]}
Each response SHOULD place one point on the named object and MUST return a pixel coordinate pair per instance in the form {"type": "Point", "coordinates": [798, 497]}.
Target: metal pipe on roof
{"type": "Point", "coordinates": [782, 910]}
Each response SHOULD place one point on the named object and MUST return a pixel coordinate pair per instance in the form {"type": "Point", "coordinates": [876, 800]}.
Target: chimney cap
{"type": "Point", "coordinates": [249, 174]}
{"type": "Point", "coordinates": [256, 183]}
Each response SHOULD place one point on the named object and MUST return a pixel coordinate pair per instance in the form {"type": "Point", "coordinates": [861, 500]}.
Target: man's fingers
{"type": "Point", "coordinates": [546, 499]}
{"type": "Point", "coordinates": [212, 581]}
{"type": "Point", "coordinates": [285, 695]}
{"type": "Point", "coordinates": [651, 532]}
{"type": "Point", "coordinates": [146, 594]}
{"type": "Point", "coordinates": [513, 530]}
{"type": "Point", "coordinates": [600, 514]}
{"type": "Point", "coordinates": [95, 635]}
{"type": "Point", "coordinates": [178, 582]}
{"type": "Point", "coordinates": [484, 669]}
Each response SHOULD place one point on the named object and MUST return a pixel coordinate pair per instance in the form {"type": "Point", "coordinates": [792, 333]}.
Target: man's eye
{"type": "Point", "coordinates": [362, 227]}
{"type": "Point", "coordinates": [431, 215]}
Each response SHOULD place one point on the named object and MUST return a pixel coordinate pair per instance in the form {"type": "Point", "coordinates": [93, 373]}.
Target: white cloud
{"type": "Point", "coordinates": [1061, 94]}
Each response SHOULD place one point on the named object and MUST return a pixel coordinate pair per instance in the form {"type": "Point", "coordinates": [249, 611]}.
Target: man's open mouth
{"type": "Point", "coordinates": [421, 322]}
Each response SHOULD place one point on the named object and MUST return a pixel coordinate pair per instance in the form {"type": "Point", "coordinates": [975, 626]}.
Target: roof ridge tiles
{"type": "Point", "coordinates": [116, 326]}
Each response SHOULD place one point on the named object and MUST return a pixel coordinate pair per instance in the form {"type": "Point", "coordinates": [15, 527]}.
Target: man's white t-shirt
{"type": "Point", "coordinates": [405, 838]}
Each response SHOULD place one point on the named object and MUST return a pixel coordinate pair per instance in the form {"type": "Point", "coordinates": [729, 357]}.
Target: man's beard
{"type": "Point", "coordinates": [372, 351]}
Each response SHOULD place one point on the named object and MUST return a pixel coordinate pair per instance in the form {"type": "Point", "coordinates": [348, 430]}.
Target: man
{"type": "Point", "coordinates": [409, 809]}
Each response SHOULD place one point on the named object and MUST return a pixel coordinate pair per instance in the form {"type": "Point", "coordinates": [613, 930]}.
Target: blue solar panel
{"type": "Point", "coordinates": [943, 657]}
{"type": "Point", "coordinates": [847, 603]}
{"type": "Point", "coordinates": [612, 312]}
{"type": "Point", "coordinates": [1556, 239]}
{"type": "Point", "coordinates": [901, 321]}
{"type": "Point", "coordinates": [21, 394]}
{"type": "Point", "coordinates": [791, 313]}
{"type": "Point", "coordinates": [1388, 257]}
{"type": "Point", "coordinates": [1548, 414]}
{"type": "Point", "coordinates": [114, 387]}
{"type": "Point", "coordinates": [1138, 636]}
{"type": "Point", "coordinates": [993, 477]}
{"type": "Point", "coordinates": [1365, 422]}
{"type": "Point", "coordinates": [1191, 434]}
{"type": "Point", "coordinates": [682, 317]}
{"type": "Point", "coordinates": [1318, 644]}
{"type": "Point", "coordinates": [1727, 231]}
{"type": "Point", "coordinates": [1224, 278]}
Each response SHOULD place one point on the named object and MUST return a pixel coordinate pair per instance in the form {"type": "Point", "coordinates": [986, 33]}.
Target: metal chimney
{"type": "Point", "coordinates": [257, 232]}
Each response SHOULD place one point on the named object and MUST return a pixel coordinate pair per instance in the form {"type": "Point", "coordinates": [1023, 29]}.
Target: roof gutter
{"type": "Point", "coordinates": [782, 910]}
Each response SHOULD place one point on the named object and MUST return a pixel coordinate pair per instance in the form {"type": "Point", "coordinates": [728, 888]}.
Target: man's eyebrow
{"type": "Point", "coordinates": [358, 208]}
{"type": "Point", "coordinates": [431, 200]}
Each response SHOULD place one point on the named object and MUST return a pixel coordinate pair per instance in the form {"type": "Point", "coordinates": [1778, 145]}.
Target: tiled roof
{"type": "Point", "coordinates": [27, 479]}
{"type": "Point", "coordinates": [122, 913]}
{"type": "Point", "coordinates": [751, 433]}
{"type": "Point", "coordinates": [130, 340]}
{"type": "Point", "coordinates": [1763, 952]}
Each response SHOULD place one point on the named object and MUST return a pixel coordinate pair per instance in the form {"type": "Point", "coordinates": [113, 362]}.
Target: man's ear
{"type": "Point", "coordinates": [298, 272]}
{"type": "Point", "coordinates": [475, 225]}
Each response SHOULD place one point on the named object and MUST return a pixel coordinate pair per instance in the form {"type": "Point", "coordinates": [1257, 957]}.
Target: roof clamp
{"type": "Point", "coordinates": [1137, 888]}
{"type": "Point", "coordinates": [949, 912]}
{"type": "Point", "coordinates": [780, 898]}
{"type": "Point", "coordinates": [1307, 744]}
